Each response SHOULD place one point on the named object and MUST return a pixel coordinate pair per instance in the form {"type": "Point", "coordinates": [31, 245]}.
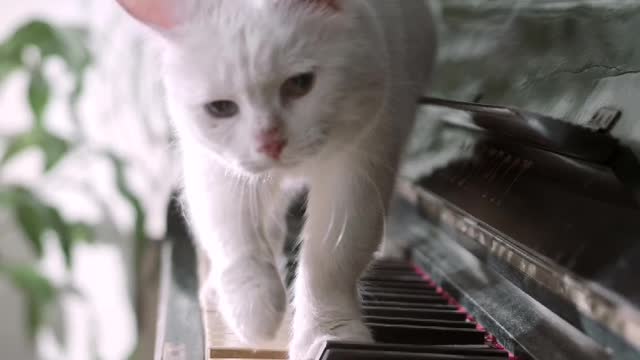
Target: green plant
{"type": "Point", "coordinates": [27, 51]}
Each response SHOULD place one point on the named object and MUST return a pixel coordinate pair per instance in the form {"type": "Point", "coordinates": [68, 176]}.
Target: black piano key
{"type": "Point", "coordinates": [384, 275]}
{"type": "Point", "coordinates": [392, 266]}
{"type": "Point", "coordinates": [391, 276]}
{"type": "Point", "coordinates": [390, 270]}
{"type": "Point", "coordinates": [400, 269]}
{"type": "Point", "coordinates": [341, 354]}
{"type": "Point", "coordinates": [384, 262]}
{"type": "Point", "coordinates": [425, 335]}
{"type": "Point", "coordinates": [407, 298]}
{"type": "Point", "coordinates": [400, 290]}
{"type": "Point", "coordinates": [414, 313]}
{"type": "Point", "coordinates": [405, 305]}
{"type": "Point", "coordinates": [419, 322]}
{"type": "Point", "coordinates": [469, 350]}
{"type": "Point", "coordinates": [397, 282]}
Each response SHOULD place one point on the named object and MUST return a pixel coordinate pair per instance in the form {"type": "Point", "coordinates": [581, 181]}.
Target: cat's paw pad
{"type": "Point", "coordinates": [252, 300]}
{"type": "Point", "coordinates": [308, 344]}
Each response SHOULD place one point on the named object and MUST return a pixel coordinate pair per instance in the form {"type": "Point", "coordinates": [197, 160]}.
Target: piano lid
{"type": "Point", "coordinates": [556, 203]}
{"type": "Point", "coordinates": [536, 166]}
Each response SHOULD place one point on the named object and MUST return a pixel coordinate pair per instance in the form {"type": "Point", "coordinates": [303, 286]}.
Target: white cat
{"type": "Point", "coordinates": [263, 92]}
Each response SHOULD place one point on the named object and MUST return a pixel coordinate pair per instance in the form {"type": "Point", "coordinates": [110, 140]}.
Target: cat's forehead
{"type": "Point", "coordinates": [246, 49]}
{"type": "Point", "coordinates": [233, 61]}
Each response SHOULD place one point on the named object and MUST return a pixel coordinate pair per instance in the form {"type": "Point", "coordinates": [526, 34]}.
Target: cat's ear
{"type": "Point", "coordinates": [161, 15]}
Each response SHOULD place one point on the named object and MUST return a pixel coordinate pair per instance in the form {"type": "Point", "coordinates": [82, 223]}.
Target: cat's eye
{"type": "Point", "coordinates": [222, 109]}
{"type": "Point", "coordinates": [297, 86]}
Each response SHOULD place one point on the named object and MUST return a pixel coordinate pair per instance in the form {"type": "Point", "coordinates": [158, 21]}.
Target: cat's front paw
{"type": "Point", "coordinates": [252, 300]}
{"type": "Point", "coordinates": [307, 343]}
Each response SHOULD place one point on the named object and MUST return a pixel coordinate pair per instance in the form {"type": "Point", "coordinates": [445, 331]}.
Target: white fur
{"type": "Point", "coordinates": [372, 59]}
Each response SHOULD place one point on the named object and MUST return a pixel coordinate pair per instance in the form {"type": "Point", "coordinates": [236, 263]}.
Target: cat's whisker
{"type": "Point", "coordinates": [254, 209]}
{"type": "Point", "coordinates": [379, 197]}
{"type": "Point", "coordinates": [327, 233]}
{"type": "Point", "coordinates": [342, 232]}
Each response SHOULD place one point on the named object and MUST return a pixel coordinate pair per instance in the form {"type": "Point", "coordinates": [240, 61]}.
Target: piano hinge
{"type": "Point", "coordinates": [604, 119]}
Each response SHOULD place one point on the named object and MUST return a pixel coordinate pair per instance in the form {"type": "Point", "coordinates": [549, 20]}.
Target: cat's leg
{"type": "Point", "coordinates": [205, 295]}
{"type": "Point", "coordinates": [275, 206]}
{"type": "Point", "coordinates": [224, 212]}
{"type": "Point", "coordinates": [346, 207]}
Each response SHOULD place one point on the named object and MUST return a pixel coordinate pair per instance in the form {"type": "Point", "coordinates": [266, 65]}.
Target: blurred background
{"type": "Point", "coordinates": [86, 173]}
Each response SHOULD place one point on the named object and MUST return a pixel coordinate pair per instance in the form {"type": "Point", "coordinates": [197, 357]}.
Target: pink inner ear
{"type": "Point", "coordinates": [155, 13]}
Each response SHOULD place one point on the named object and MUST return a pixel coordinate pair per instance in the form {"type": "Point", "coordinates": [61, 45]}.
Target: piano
{"type": "Point", "coordinates": [515, 227]}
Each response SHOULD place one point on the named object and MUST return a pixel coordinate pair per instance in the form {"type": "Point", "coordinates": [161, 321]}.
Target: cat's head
{"type": "Point", "coordinates": [266, 84]}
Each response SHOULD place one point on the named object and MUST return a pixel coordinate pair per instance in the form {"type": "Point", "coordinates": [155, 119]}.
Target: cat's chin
{"type": "Point", "coordinates": [265, 168]}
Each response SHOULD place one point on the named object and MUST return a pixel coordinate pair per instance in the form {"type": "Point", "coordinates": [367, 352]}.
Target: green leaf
{"type": "Point", "coordinates": [10, 59]}
{"type": "Point", "coordinates": [32, 224]}
{"type": "Point", "coordinates": [39, 93]}
{"type": "Point", "coordinates": [35, 218]}
{"type": "Point", "coordinates": [82, 233]}
{"type": "Point", "coordinates": [39, 293]}
{"type": "Point", "coordinates": [64, 233]}
{"type": "Point", "coordinates": [30, 214]}
{"type": "Point", "coordinates": [54, 148]}
{"type": "Point", "coordinates": [7, 66]}
{"type": "Point", "coordinates": [17, 145]}
{"type": "Point", "coordinates": [140, 216]}
{"type": "Point", "coordinates": [69, 43]}
{"type": "Point", "coordinates": [34, 33]}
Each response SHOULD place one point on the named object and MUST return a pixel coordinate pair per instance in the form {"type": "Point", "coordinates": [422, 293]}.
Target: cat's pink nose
{"type": "Point", "coordinates": [271, 142]}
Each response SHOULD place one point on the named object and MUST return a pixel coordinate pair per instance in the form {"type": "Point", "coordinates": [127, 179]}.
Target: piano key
{"type": "Point", "coordinates": [425, 335]}
{"type": "Point", "coordinates": [406, 291]}
{"type": "Point", "coordinates": [419, 322]}
{"type": "Point", "coordinates": [399, 289]}
{"type": "Point", "coordinates": [408, 317]}
{"type": "Point", "coordinates": [408, 298]}
{"type": "Point", "coordinates": [414, 313]}
{"type": "Point", "coordinates": [402, 265]}
{"type": "Point", "coordinates": [390, 262]}
{"type": "Point", "coordinates": [398, 281]}
{"type": "Point", "coordinates": [386, 275]}
{"type": "Point", "coordinates": [477, 350]}
{"type": "Point", "coordinates": [399, 268]}
{"type": "Point", "coordinates": [377, 303]}
{"type": "Point", "coordinates": [340, 354]}
{"type": "Point", "coordinates": [392, 276]}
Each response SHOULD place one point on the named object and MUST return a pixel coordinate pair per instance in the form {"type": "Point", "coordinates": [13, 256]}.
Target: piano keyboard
{"type": "Point", "coordinates": [409, 316]}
